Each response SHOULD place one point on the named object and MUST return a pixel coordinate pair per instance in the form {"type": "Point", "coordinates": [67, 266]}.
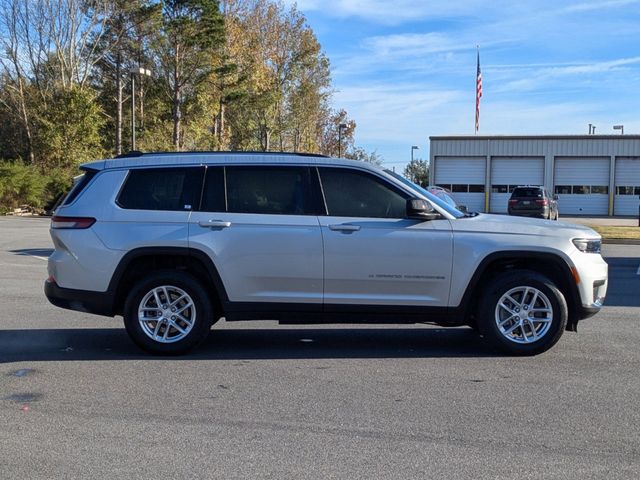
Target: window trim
{"type": "Point", "coordinates": [204, 184]}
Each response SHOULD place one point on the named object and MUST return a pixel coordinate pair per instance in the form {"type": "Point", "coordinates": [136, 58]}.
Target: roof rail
{"type": "Point", "coordinates": [137, 153]}
{"type": "Point", "coordinates": [130, 154]}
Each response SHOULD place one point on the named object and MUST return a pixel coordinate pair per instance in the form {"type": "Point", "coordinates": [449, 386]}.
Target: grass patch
{"type": "Point", "coordinates": [627, 233]}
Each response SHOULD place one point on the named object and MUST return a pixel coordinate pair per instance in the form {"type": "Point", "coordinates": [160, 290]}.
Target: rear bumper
{"type": "Point", "coordinates": [530, 213]}
{"type": "Point", "coordinates": [99, 303]}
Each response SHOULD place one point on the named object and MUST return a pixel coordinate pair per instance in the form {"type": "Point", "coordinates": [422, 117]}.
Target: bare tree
{"type": "Point", "coordinates": [46, 44]}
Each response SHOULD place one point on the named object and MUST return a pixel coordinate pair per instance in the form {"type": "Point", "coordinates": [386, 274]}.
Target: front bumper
{"type": "Point", "coordinates": [99, 303]}
{"type": "Point", "coordinates": [593, 273]}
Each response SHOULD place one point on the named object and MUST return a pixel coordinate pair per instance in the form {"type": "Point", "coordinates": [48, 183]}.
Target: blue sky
{"type": "Point", "coordinates": [405, 70]}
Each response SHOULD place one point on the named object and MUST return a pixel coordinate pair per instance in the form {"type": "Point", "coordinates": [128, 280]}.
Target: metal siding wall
{"type": "Point", "coordinates": [517, 170]}
{"type": "Point", "coordinates": [473, 201]}
{"type": "Point", "coordinates": [582, 148]}
{"type": "Point", "coordinates": [627, 174]}
{"type": "Point", "coordinates": [513, 171]}
{"type": "Point", "coordinates": [628, 171]}
{"type": "Point", "coordinates": [460, 170]}
{"type": "Point", "coordinates": [499, 202]}
{"type": "Point", "coordinates": [583, 204]}
{"type": "Point", "coordinates": [582, 171]}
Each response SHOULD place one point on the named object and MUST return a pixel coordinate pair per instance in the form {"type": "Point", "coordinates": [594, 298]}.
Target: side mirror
{"type": "Point", "coordinates": [462, 208]}
{"type": "Point", "coordinates": [420, 209]}
{"type": "Point", "coordinates": [555, 196]}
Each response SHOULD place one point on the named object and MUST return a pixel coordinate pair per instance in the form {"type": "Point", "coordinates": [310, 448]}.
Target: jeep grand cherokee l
{"type": "Point", "coordinates": [175, 241]}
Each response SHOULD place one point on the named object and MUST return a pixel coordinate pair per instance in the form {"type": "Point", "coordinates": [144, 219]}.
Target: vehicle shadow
{"type": "Point", "coordinates": [33, 252]}
{"type": "Point", "coordinates": [249, 344]}
{"type": "Point", "coordinates": [624, 282]}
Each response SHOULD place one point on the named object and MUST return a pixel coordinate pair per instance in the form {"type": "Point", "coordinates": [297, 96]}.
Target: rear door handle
{"type": "Point", "coordinates": [344, 228]}
{"type": "Point", "coordinates": [214, 224]}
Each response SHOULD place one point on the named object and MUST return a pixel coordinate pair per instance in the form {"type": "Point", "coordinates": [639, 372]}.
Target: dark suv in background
{"type": "Point", "coordinates": [533, 201]}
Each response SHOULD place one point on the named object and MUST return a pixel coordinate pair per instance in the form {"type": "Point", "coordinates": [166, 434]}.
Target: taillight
{"type": "Point", "coordinates": [513, 202]}
{"type": "Point", "coordinates": [544, 202]}
{"type": "Point", "coordinates": [72, 222]}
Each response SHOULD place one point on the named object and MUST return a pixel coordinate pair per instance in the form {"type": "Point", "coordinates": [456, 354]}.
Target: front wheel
{"type": "Point", "coordinates": [168, 313]}
{"type": "Point", "coordinates": [522, 313]}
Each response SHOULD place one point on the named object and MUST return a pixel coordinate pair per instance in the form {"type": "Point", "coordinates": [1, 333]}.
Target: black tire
{"type": "Point", "coordinates": [490, 313]}
{"type": "Point", "coordinates": [201, 312]}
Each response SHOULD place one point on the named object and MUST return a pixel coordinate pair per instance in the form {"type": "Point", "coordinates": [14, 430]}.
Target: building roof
{"type": "Point", "coordinates": [536, 137]}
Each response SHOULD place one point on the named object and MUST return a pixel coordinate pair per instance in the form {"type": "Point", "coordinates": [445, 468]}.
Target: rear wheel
{"type": "Point", "coordinates": [522, 313]}
{"type": "Point", "coordinates": [168, 313]}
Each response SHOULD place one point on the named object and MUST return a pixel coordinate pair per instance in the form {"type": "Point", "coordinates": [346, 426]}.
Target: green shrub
{"type": "Point", "coordinates": [22, 184]}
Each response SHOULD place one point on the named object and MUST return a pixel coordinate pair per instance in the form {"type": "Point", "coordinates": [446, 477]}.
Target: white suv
{"type": "Point", "coordinates": [175, 241]}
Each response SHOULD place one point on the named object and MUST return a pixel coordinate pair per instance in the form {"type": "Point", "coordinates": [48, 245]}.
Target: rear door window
{"type": "Point", "coordinates": [270, 190]}
{"type": "Point", "coordinates": [175, 189]}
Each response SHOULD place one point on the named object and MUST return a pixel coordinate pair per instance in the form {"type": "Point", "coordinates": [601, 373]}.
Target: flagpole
{"type": "Point", "coordinates": [478, 90]}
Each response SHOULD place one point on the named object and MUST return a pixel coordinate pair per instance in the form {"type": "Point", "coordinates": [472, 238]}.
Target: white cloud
{"type": "Point", "coordinates": [590, 6]}
{"type": "Point", "coordinates": [393, 112]}
{"type": "Point", "coordinates": [394, 12]}
{"type": "Point", "coordinates": [537, 77]}
{"type": "Point", "coordinates": [413, 44]}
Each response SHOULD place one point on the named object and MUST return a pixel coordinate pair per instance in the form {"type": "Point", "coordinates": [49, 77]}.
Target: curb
{"type": "Point", "coordinates": [620, 241]}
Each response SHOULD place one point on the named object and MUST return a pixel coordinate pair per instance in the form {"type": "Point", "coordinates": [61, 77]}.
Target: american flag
{"type": "Point", "coordinates": [478, 93]}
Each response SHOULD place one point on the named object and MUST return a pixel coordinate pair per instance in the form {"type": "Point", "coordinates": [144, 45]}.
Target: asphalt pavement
{"type": "Point", "coordinates": [258, 400]}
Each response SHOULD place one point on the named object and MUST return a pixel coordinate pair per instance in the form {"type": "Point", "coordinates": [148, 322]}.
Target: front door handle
{"type": "Point", "coordinates": [214, 224]}
{"type": "Point", "coordinates": [344, 228]}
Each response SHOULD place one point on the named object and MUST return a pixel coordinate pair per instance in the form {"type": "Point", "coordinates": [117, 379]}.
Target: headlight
{"type": "Point", "coordinates": [587, 245]}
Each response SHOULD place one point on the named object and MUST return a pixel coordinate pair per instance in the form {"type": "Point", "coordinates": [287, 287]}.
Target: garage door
{"type": "Point", "coordinates": [627, 186]}
{"type": "Point", "coordinates": [464, 176]}
{"type": "Point", "coordinates": [509, 172]}
{"type": "Point", "coordinates": [582, 185]}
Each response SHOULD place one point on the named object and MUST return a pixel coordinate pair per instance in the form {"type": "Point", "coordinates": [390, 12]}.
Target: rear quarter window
{"type": "Point", "coordinates": [175, 189]}
{"type": "Point", "coordinates": [79, 185]}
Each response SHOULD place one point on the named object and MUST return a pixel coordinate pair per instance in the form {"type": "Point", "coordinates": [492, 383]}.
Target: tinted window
{"type": "Point", "coordinates": [563, 189]}
{"type": "Point", "coordinates": [213, 197]}
{"type": "Point", "coordinates": [270, 190]}
{"type": "Point", "coordinates": [162, 189]}
{"type": "Point", "coordinates": [350, 193]}
{"type": "Point", "coordinates": [603, 189]}
{"type": "Point", "coordinates": [78, 185]}
{"type": "Point", "coordinates": [527, 192]}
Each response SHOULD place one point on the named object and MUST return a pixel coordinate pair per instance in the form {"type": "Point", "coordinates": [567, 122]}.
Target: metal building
{"type": "Point", "coordinates": [591, 174]}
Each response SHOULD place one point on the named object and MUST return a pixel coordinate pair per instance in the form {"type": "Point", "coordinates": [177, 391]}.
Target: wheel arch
{"type": "Point", "coordinates": [135, 263]}
{"type": "Point", "coordinates": [551, 265]}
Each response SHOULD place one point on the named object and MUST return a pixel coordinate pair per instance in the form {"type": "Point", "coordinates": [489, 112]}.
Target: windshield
{"type": "Point", "coordinates": [431, 197]}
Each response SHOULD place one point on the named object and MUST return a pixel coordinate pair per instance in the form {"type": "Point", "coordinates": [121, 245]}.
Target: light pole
{"type": "Point", "coordinates": [414, 147]}
{"type": "Point", "coordinates": [134, 72]}
{"type": "Point", "coordinates": [340, 128]}
{"type": "Point", "coordinates": [619, 127]}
